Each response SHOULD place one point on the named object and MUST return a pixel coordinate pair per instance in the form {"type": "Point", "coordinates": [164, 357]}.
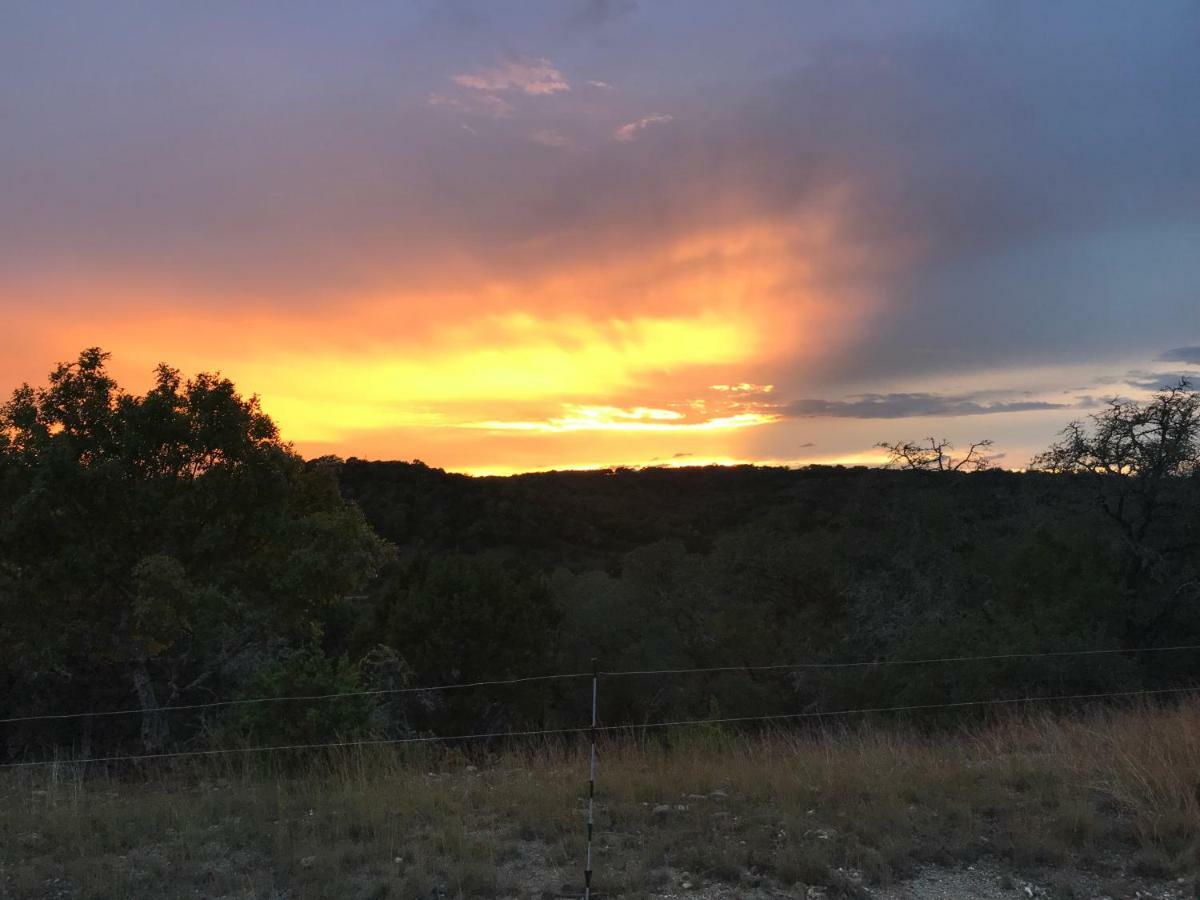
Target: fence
{"type": "Point", "coordinates": [594, 728]}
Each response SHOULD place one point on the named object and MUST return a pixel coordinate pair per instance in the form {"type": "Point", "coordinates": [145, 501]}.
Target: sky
{"type": "Point", "coordinates": [504, 237]}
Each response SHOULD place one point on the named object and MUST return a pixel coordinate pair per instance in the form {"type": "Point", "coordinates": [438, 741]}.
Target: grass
{"type": "Point", "coordinates": [1108, 791]}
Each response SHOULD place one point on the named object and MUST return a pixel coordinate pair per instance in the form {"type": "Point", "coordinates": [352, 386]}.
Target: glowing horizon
{"type": "Point", "coordinates": [527, 236]}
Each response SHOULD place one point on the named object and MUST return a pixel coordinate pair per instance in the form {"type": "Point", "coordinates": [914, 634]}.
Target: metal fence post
{"type": "Point", "coordinates": [587, 870]}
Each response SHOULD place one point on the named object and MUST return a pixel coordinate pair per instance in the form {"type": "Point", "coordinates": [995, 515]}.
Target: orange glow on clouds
{"type": "Point", "coordinates": [609, 418]}
{"type": "Point", "coordinates": [647, 355]}
{"type": "Point", "coordinates": [468, 373]}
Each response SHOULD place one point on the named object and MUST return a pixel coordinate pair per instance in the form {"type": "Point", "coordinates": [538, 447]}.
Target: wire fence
{"type": "Point", "coordinates": [297, 698]}
{"type": "Point", "coordinates": [861, 664]}
{"type": "Point", "coordinates": [594, 728]}
{"type": "Point", "coordinates": [567, 676]}
{"type": "Point", "coordinates": [627, 727]}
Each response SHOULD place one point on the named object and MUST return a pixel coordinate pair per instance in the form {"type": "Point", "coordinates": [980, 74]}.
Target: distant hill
{"type": "Point", "coordinates": [581, 517]}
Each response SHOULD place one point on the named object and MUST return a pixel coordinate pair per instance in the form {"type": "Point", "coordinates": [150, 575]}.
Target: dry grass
{"type": "Point", "coordinates": [1104, 792]}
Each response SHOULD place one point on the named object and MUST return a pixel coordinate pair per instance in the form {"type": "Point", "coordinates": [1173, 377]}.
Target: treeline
{"type": "Point", "coordinates": [169, 549]}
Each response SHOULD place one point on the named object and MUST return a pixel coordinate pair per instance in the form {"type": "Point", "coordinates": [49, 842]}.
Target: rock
{"type": "Point", "coordinates": [661, 809]}
{"type": "Point", "coordinates": [308, 862]}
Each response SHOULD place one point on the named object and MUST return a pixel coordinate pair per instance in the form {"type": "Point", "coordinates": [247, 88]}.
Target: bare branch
{"type": "Point", "coordinates": [935, 455]}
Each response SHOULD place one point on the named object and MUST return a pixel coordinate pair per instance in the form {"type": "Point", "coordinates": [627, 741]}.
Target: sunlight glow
{"type": "Point", "coordinates": [641, 352]}
{"type": "Point", "coordinates": [607, 418]}
{"type": "Point", "coordinates": [507, 361]}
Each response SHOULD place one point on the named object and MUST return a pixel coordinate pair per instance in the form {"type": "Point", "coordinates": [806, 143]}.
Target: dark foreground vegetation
{"type": "Point", "coordinates": [168, 549]}
{"type": "Point", "coordinates": [164, 554]}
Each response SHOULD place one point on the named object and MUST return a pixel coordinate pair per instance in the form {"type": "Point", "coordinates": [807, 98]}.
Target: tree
{"type": "Point", "coordinates": [147, 540]}
{"type": "Point", "coordinates": [936, 456]}
{"type": "Point", "coordinates": [1134, 451]}
{"type": "Point", "coordinates": [1143, 460]}
{"type": "Point", "coordinates": [458, 618]}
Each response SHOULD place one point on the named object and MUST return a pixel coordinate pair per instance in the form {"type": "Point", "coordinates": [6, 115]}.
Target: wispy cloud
{"type": "Point", "coordinates": [601, 85]}
{"type": "Point", "coordinates": [629, 130]}
{"type": "Point", "coordinates": [531, 75]}
{"type": "Point", "coordinates": [475, 104]}
{"type": "Point", "coordinates": [548, 137]}
{"type": "Point", "coordinates": [613, 418]}
{"type": "Point", "coordinates": [903, 406]}
{"type": "Point", "coordinates": [1154, 381]}
{"type": "Point", "coordinates": [743, 388]}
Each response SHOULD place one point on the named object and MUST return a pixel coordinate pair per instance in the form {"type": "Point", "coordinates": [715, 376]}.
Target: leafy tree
{"type": "Point", "coordinates": [460, 618]}
{"type": "Point", "coordinates": [302, 672]}
{"type": "Point", "coordinates": [464, 618]}
{"type": "Point", "coordinates": [147, 540]}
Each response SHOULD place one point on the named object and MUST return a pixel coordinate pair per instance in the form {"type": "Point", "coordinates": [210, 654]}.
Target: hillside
{"type": "Point", "coordinates": [714, 566]}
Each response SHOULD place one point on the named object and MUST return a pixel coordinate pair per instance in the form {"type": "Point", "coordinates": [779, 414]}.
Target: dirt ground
{"type": "Point", "coordinates": [982, 881]}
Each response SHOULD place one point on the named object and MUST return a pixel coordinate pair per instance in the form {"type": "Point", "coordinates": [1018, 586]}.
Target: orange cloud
{"type": "Point", "coordinates": [611, 418]}
{"type": "Point", "coordinates": [632, 356]}
{"type": "Point", "coordinates": [469, 371]}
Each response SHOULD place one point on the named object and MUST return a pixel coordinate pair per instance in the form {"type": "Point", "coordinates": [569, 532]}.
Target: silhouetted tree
{"type": "Point", "coordinates": [1143, 460]}
{"type": "Point", "coordinates": [1134, 451]}
{"type": "Point", "coordinates": [936, 455]}
{"type": "Point", "coordinates": [145, 540]}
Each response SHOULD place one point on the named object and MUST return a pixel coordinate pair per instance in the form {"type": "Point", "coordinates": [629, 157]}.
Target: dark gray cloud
{"type": "Point", "coordinates": [906, 406]}
{"type": "Point", "coordinates": [1190, 355]}
{"type": "Point", "coordinates": [1158, 382]}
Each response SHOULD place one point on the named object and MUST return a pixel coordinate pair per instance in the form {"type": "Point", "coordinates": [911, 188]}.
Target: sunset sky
{"type": "Point", "coordinates": [510, 236]}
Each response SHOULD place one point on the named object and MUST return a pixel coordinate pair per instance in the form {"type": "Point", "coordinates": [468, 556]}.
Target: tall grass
{"type": "Point", "coordinates": [1103, 790]}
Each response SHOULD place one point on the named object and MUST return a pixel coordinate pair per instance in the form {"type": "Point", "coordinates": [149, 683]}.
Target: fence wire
{"type": "Point", "coordinates": [872, 663]}
{"type": "Point", "coordinates": [630, 727]}
{"type": "Point", "coordinates": [749, 669]}
{"type": "Point", "coordinates": [299, 698]}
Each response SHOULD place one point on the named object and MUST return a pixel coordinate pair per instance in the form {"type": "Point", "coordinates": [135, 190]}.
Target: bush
{"type": "Point", "coordinates": [301, 672]}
